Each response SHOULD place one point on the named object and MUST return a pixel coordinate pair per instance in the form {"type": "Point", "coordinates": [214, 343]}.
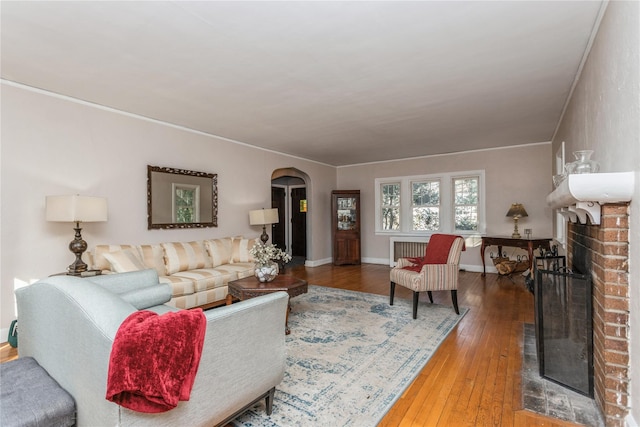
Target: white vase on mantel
{"type": "Point", "coordinates": [583, 163]}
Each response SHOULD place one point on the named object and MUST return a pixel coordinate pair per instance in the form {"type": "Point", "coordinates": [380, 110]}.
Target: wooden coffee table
{"type": "Point", "coordinates": [250, 287]}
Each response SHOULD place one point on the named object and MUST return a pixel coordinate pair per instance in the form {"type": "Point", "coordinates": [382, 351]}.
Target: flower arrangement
{"type": "Point", "coordinates": [265, 254]}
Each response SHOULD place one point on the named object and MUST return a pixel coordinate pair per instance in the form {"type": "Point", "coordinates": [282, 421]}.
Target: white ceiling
{"type": "Point", "coordinates": [335, 82]}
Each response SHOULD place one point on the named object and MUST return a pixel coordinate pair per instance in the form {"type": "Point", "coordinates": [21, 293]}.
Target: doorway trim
{"type": "Point", "coordinates": [297, 173]}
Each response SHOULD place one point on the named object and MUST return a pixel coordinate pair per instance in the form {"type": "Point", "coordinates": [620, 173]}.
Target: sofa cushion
{"type": "Point", "coordinates": [241, 248]}
{"type": "Point", "coordinates": [30, 397]}
{"type": "Point", "coordinates": [241, 269]}
{"type": "Point", "coordinates": [208, 278]}
{"type": "Point", "coordinates": [124, 261]}
{"type": "Point", "coordinates": [179, 285]}
{"type": "Point", "coordinates": [199, 298]}
{"type": "Point", "coordinates": [219, 250]}
{"type": "Point", "coordinates": [153, 257]}
{"type": "Point", "coordinates": [99, 262]}
{"type": "Point", "coordinates": [183, 256]}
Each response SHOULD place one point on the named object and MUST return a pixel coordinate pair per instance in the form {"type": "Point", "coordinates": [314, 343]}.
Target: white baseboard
{"type": "Point", "coordinates": [320, 262]}
{"type": "Point", "coordinates": [384, 261]}
{"type": "Point", "coordinates": [317, 263]}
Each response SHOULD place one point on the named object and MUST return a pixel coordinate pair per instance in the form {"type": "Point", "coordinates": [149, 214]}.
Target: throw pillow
{"type": "Point", "coordinates": [153, 257]}
{"type": "Point", "coordinates": [124, 261]}
{"type": "Point", "coordinates": [219, 250]}
{"type": "Point", "coordinates": [183, 256]}
{"type": "Point", "coordinates": [241, 248]}
{"type": "Point", "coordinates": [99, 262]}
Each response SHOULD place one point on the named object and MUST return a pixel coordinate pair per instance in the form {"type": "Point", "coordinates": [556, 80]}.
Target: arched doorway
{"type": "Point", "coordinates": [289, 188]}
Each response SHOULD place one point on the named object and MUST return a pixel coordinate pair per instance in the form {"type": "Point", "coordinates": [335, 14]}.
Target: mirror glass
{"type": "Point", "coordinates": [178, 198]}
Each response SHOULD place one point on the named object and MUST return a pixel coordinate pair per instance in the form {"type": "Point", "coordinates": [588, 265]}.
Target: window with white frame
{"type": "Point", "coordinates": [465, 203]}
{"type": "Point", "coordinates": [425, 206]}
{"type": "Point", "coordinates": [389, 211]}
{"type": "Point", "coordinates": [422, 205]}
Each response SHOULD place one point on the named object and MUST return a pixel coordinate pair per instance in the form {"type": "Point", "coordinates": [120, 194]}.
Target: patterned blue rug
{"type": "Point", "coordinates": [350, 357]}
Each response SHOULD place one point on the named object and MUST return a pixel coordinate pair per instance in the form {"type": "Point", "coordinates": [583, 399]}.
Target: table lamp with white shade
{"type": "Point", "coordinates": [263, 217]}
{"type": "Point", "coordinates": [78, 209]}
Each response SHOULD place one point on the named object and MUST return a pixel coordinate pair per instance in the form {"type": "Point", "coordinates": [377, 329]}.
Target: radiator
{"type": "Point", "coordinates": [403, 247]}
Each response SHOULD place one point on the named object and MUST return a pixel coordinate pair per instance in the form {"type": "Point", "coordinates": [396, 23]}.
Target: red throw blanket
{"type": "Point", "coordinates": [154, 359]}
{"type": "Point", "coordinates": [437, 251]}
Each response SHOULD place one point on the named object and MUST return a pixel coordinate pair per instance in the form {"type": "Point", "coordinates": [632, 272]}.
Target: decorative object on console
{"type": "Point", "coordinates": [263, 217]}
{"type": "Point", "coordinates": [516, 211]}
{"type": "Point", "coordinates": [76, 209]}
{"type": "Point", "coordinates": [265, 257]}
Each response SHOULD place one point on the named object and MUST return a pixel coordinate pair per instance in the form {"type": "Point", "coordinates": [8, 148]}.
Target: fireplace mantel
{"type": "Point", "coordinates": [580, 195]}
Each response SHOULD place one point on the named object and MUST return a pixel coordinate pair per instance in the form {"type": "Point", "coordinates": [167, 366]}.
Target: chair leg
{"type": "Point", "coordinates": [430, 296]}
{"type": "Point", "coordinates": [454, 298]}
{"type": "Point", "coordinates": [415, 304]}
{"type": "Point", "coordinates": [392, 291]}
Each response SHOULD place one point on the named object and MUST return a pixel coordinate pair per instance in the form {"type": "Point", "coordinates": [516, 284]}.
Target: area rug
{"type": "Point", "coordinates": [350, 356]}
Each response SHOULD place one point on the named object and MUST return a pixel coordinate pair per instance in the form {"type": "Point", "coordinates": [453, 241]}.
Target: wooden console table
{"type": "Point", "coordinates": [528, 244]}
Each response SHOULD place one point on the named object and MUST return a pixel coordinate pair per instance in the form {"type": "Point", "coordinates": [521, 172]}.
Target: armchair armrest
{"type": "Point", "coordinates": [403, 262]}
{"type": "Point", "coordinates": [440, 277]}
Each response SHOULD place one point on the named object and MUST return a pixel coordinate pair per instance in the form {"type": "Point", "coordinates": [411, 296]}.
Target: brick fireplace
{"type": "Point", "coordinates": [602, 251]}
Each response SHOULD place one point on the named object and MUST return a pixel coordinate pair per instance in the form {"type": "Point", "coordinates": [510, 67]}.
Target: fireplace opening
{"type": "Point", "coordinates": [564, 329]}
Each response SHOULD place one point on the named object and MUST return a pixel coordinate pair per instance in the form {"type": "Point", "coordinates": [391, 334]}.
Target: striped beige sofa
{"type": "Point", "coordinates": [197, 271]}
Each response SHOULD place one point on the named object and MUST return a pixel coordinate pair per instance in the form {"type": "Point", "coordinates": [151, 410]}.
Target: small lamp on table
{"type": "Point", "coordinates": [516, 211]}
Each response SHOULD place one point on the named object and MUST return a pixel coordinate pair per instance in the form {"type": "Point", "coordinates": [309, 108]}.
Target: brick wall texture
{"type": "Point", "coordinates": [609, 246]}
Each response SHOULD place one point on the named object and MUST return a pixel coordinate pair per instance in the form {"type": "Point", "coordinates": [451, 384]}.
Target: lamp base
{"type": "Point", "coordinates": [77, 246]}
{"type": "Point", "coordinates": [516, 233]}
{"type": "Point", "coordinates": [264, 236]}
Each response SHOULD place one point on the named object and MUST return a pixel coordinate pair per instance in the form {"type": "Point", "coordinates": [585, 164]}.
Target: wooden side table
{"type": "Point", "coordinates": [250, 287]}
{"type": "Point", "coordinates": [528, 244]}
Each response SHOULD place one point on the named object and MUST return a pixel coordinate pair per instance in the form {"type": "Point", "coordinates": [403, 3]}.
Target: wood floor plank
{"type": "Point", "coordinates": [467, 370]}
{"type": "Point", "coordinates": [474, 377]}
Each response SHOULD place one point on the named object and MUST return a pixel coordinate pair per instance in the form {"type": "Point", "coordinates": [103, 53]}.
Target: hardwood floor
{"type": "Point", "coordinates": [473, 379]}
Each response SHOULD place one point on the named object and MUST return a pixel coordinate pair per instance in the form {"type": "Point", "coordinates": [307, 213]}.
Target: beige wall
{"type": "Point", "coordinates": [604, 115]}
{"type": "Point", "coordinates": [52, 145]}
{"type": "Point", "coordinates": [517, 174]}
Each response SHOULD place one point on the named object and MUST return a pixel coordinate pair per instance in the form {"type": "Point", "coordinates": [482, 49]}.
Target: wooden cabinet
{"type": "Point", "coordinates": [345, 226]}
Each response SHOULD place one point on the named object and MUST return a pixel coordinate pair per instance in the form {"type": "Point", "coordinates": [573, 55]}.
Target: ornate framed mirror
{"type": "Point", "coordinates": [178, 198]}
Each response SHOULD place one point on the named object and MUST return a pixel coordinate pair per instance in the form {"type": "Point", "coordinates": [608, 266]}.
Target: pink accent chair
{"type": "Point", "coordinates": [437, 271]}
